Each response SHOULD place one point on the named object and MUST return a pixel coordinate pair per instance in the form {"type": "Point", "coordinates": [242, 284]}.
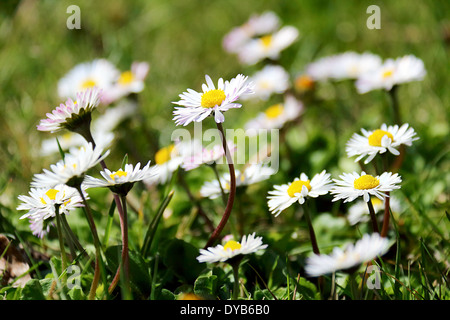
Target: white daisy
{"type": "Point", "coordinates": [276, 115]}
{"type": "Point", "coordinates": [73, 114]}
{"type": "Point", "coordinates": [252, 174]}
{"type": "Point", "coordinates": [359, 213]}
{"type": "Point", "coordinates": [40, 202]}
{"type": "Point", "coordinates": [131, 81]}
{"type": "Point", "coordinates": [392, 72]}
{"type": "Point", "coordinates": [98, 73]}
{"type": "Point", "coordinates": [72, 169]}
{"type": "Point", "coordinates": [296, 191]}
{"type": "Point", "coordinates": [387, 138]}
{"type": "Point", "coordinates": [196, 106]}
{"type": "Point", "coordinates": [257, 25]}
{"type": "Point", "coordinates": [220, 253]}
{"type": "Point", "coordinates": [267, 46]}
{"type": "Point", "coordinates": [121, 181]}
{"type": "Point", "coordinates": [270, 80]}
{"type": "Point", "coordinates": [353, 255]}
{"type": "Point", "coordinates": [354, 185]}
{"type": "Point", "coordinates": [208, 156]}
{"type": "Point", "coordinates": [347, 65]}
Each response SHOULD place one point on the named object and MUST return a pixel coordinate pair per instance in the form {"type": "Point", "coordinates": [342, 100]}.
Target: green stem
{"type": "Point", "coordinates": [395, 105]}
{"type": "Point", "coordinates": [373, 217]}
{"type": "Point", "coordinates": [312, 234]}
{"type": "Point", "coordinates": [236, 290]}
{"type": "Point", "coordinates": [61, 240]}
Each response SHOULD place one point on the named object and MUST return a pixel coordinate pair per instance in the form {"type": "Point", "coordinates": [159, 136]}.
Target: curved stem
{"type": "Point", "coordinates": [216, 233]}
{"type": "Point", "coordinates": [373, 217]}
{"type": "Point", "coordinates": [387, 215]}
{"type": "Point", "coordinates": [312, 234]}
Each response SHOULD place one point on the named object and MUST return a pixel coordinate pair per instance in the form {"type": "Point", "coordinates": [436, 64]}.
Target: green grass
{"type": "Point", "coordinates": [182, 41]}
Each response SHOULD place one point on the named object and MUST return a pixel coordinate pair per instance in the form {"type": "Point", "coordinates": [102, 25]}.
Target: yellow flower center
{"type": "Point", "coordinates": [274, 111]}
{"type": "Point", "coordinates": [163, 155]}
{"type": "Point", "coordinates": [51, 193]}
{"type": "Point", "coordinates": [387, 74]}
{"type": "Point", "coordinates": [266, 40]}
{"type": "Point", "coordinates": [119, 173]}
{"type": "Point", "coordinates": [297, 186]}
{"type": "Point", "coordinates": [213, 98]}
{"type": "Point", "coordinates": [377, 135]}
{"type": "Point", "coordinates": [126, 78]}
{"type": "Point", "coordinates": [233, 245]}
{"type": "Point", "coordinates": [88, 83]}
{"type": "Point", "coordinates": [366, 182]}
{"type": "Point", "coordinates": [304, 82]}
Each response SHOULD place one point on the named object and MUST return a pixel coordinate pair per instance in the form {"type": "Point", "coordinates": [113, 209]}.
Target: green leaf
{"type": "Point", "coordinates": [32, 291]}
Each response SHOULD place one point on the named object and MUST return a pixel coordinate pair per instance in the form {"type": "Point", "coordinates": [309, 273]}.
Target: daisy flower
{"type": "Point", "coordinates": [387, 138]}
{"type": "Point", "coordinates": [40, 202]}
{"type": "Point", "coordinates": [39, 227]}
{"type": "Point", "coordinates": [359, 213]}
{"type": "Point", "coordinates": [220, 253]}
{"type": "Point", "coordinates": [347, 65]}
{"type": "Point", "coordinates": [252, 174]}
{"type": "Point", "coordinates": [276, 115]}
{"type": "Point", "coordinates": [390, 73]}
{"type": "Point", "coordinates": [73, 115]}
{"type": "Point", "coordinates": [207, 156]}
{"type": "Point", "coordinates": [268, 81]}
{"type": "Point", "coordinates": [130, 81]}
{"type": "Point", "coordinates": [121, 181]}
{"type": "Point", "coordinates": [196, 106]}
{"type": "Point", "coordinates": [98, 73]}
{"type": "Point", "coordinates": [353, 255]}
{"type": "Point", "coordinates": [256, 25]}
{"type": "Point", "coordinates": [72, 169]}
{"type": "Point", "coordinates": [354, 185]}
{"type": "Point", "coordinates": [297, 191]}
{"type": "Point", "coordinates": [267, 46]}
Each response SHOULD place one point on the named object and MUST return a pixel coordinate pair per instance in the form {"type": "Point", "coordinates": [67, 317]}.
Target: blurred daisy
{"type": "Point", "coordinates": [304, 83]}
{"type": "Point", "coordinates": [130, 81]}
{"type": "Point", "coordinates": [208, 156]}
{"type": "Point", "coordinates": [72, 169]}
{"type": "Point", "coordinates": [354, 185]}
{"type": "Point", "coordinates": [252, 174]}
{"type": "Point", "coordinates": [121, 181]}
{"type": "Point", "coordinates": [352, 256]}
{"type": "Point", "coordinates": [39, 227]}
{"type": "Point", "coordinates": [392, 72]}
{"type": "Point", "coordinates": [98, 73]}
{"type": "Point", "coordinates": [276, 116]}
{"type": "Point", "coordinates": [359, 213]}
{"type": "Point", "coordinates": [270, 80]}
{"type": "Point", "coordinates": [347, 65]}
{"type": "Point", "coordinates": [257, 25]}
{"type": "Point", "coordinates": [267, 46]}
{"type": "Point", "coordinates": [220, 253]}
{"type": "Point", "coordinates": [40, 202]}
{"type": "Point", "coordinates": [73, 115]}
{"type": "Point", "coordinates": [387, 138]}
{"type": "Point", "coordinates": [196, 106]}
{"type": "Point", "coordinates": [297, 191]}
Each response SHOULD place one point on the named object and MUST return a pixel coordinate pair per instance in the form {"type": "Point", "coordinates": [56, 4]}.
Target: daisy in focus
{"type": "Point", "coordinates": [72, 169]}
{"type": "Point", "coordinates": [352, 256]}
{"type": "Point", "coordinates": [276, 116]}
{"type": "Point", "coordinates": [73, 115]}
{"type": "Point", "coordinates": [121, 181]}
{"type": "Point", "coordinates": [268, 81]}
{"type": "Point", "coordinates": [387, 138]}
{"type": "Point", "coordinates": [354, 185]}
{"type": "Point", "coordinates": [98, 73]}
{"type": "Point", "coordinates": [232, 249]}
{"type": "Point", "coordinates": [248, 176]}
{"type": "Point", "coordinates": [196, 106]}
{"type": "Point", "coordinates": [297, 191]}
{"type": "Point", "coordinates": [392, 72]}
{"type": "Point", "coordinates": [256, 25]}
{"type": "Point", "coordinates": [268, 46]}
